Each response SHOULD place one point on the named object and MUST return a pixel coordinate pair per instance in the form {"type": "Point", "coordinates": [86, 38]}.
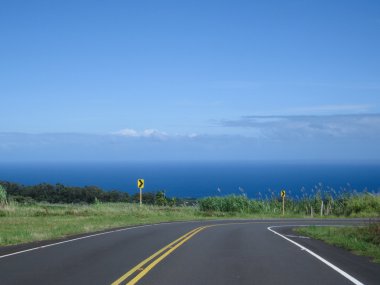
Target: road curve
{"type": "Point", "coordinates": [212, 252]}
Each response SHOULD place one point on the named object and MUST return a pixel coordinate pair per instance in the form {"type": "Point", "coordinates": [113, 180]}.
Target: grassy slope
{"type": "Point", "coordinates": [360, 240]}
{"type": "Point", "coordinates": [19, 224]}
{"type": "Point", "coordinates": [26, 223]}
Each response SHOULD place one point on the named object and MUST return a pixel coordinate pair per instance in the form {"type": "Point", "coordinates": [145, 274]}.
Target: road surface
{"type": "Point", "coordinates": [212, 252]}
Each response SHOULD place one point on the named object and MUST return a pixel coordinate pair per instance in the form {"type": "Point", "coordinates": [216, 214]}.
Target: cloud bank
{"type": "Point", "coordinates": [356, 126]}
{"type": "Point", "coordinates": [331, 137]}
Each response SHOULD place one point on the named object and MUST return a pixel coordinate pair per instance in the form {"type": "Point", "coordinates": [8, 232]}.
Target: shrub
{"type": "Point", "coordinates": [230, 204]}
{"type": "Point", "coordinates": [354, 205]}
{"type": "Point", "coordinates": [3, 196]}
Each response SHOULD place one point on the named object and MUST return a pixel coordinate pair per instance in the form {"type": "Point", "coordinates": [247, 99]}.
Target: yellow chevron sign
{"type": "Point", "coordinates": [140, 183]}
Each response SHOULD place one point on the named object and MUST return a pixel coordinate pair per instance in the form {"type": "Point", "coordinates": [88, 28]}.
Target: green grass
{"type": "Point", "coordinates": [349, 205]}
{"type": "Point", "coordinates": [360, 240]}
{"type": "Point", "coordinates": [20, 224]}
{"type": "Point", "coordinates": [26, 223]}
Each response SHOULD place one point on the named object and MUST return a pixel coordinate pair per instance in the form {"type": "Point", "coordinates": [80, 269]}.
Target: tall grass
{"type": "Point", "coordinates": [318, 204]}
{"type": "Point", "coordinates": [3, 196]}
{"type": "Point", "coordinates": [39, 221]}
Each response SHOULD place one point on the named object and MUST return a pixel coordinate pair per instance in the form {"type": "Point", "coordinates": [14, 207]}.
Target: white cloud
{"type": "Point", "coordinates": [153, 133]}
{"type": "Point", "coordinates": [280, 138]}
{"type": "Point", "coordinates": [148, 133]}
{"type": "Point", "coordinates": [127, 133]}
{"type": "Point", "coordinates": [192, 135]}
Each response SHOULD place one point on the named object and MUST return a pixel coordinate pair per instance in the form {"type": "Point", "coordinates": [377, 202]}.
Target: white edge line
{"type": "Point", "coordinates": [71, 240]}
{"type": "Point", "coordinates": [104, 233]}
{"type": "Point", "coordinates": [84, 237]}
{"type": "Point", "coordinates": [93, 235]}
{"type": "Point", "coordinates": [293, 236]}
{"type": "Point", "coordinates": [337, 269]}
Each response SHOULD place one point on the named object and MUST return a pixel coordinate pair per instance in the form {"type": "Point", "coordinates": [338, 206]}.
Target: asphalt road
{"type": "Point", "coordinates": [212, 252]}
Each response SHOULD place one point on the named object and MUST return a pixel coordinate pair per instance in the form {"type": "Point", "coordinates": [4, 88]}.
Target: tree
{"type": "Point", "coordinates": [160, 199]}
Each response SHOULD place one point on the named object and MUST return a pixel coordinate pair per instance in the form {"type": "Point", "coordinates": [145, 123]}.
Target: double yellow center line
{"type": "Point", "coordinates": [141, 269]}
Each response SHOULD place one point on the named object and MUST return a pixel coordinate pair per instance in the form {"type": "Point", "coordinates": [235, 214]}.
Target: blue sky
{"type": "Point", "coordinates": [130, 80]}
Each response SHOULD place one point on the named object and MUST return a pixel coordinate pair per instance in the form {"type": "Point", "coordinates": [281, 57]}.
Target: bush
{"type": "Point", "coordinates": [365, 203]}
{"type": "Point", "coordinates": [160, 199]}
{"type": "Point", "coordinates": [23, 200]}
{"type": "Point", "coordinates": [354, 204]}
{"type": "Point", "coordinates": [3, 196]}
{"type": "Point", "coordinates": [59, 193]}
{"type": "Point", "coordinates": [230, 204]}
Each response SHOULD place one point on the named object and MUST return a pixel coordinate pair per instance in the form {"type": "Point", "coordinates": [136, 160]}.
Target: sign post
{"type": "Point", "coordinates": [140, 185]}
{"type": "Point", "coordinates": [283, 194]}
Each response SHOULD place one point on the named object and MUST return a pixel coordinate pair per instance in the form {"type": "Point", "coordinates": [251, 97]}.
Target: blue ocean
{"type": "Point", "coordinates": [199, 179]}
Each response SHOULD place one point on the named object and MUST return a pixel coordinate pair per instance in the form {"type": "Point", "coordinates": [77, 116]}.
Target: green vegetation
{"type": "Point", "coordinates": [361, 240]}
{"type": "Point", "coordinates": [25, 223]}
{"type": "Point", "coordinates": [3, 196]}
{"type": "Point", "coordinates": [347, 205]}
{"type": "Point", "coordinates": [31, 213]}
{"type": "Point", "coordinates": [320, 201]}
{"type": "Point", "coordinates": [61, 194]}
